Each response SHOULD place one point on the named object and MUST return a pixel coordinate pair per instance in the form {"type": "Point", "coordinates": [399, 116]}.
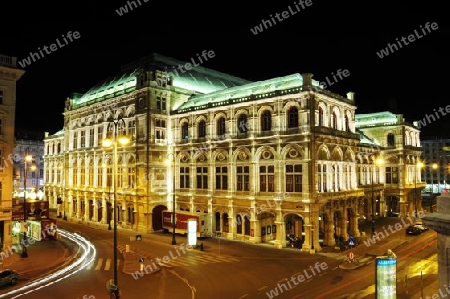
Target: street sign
{"type": "Point", "coordinates": [351, 241]}
{"type": "Point", "coordinates": [138, 237]}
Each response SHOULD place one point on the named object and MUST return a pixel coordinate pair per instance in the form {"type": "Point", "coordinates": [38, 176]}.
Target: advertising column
{"type": "Point", "coordinates": [386, 277]}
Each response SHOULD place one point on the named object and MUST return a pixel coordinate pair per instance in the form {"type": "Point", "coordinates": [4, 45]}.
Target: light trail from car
{"type": "Point", "coordinates": [86, 258]}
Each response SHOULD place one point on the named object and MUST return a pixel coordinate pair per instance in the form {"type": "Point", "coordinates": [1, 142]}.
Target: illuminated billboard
{"type": "Point", "coordinates": [386, 278]}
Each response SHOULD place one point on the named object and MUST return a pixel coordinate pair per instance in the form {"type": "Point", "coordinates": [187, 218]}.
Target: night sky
{"type": "Point", "coordinates": [319, 38]}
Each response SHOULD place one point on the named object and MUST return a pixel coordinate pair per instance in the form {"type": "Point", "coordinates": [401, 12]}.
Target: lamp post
{"type": "Point", "coordinates": [378, 162]}
{"type": "Point", "coordinates": [434, 166]}
{"type": "Point", "coordinates": [419, 166]}
{"type": "Point", "coordinates": [27, 158]}
{"type": "Point", "coordinates": [112, 140]}
{"type": "Point", "coordinates": [174, 241]}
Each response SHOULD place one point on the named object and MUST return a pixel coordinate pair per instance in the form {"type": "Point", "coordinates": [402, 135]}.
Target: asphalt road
{"type": "Point", "coordinates": [229, 269]}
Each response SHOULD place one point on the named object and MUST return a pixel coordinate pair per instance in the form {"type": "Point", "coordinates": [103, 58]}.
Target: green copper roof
{"type": "Point", "coordinates": [377, 119]}
{"type": "Point", "coordinates": [364, 139]}
{"type": "Point", "coordinates": [111, 87]}
{"type": "Point", "coordinates": [198, 78]}
{"type": "Point", "coordinates": [260, 89]}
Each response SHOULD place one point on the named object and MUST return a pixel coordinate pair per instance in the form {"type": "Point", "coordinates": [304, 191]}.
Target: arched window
{"type": "Point", "coordinates": [321, 117]}
{"type": "Point", "coordinates": [201, 129]}
{"type": "Point", "coordinates": [242, 123]}
{"type": "Point", "coordinates": [293, 117]}
{"type": "Point", "coordinates": [221, 126]}
{"type": "Point", "coordinates": [184, 131]}
{"type": "Point", "coordinates": [239, 224]}
{"type": "Point", "coordinates": [346, 124]}
{"type": "Point", "coordinates": [266, 121]}
{"type": "Point", "coordinates": [390, 139]}
{"type": "Point", "coordinates": [334, 120]}
{"type": "Point", "coordinates": [59, 148]}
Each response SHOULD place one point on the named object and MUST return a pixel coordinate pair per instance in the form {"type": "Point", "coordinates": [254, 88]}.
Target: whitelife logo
{"type": "Point", "coordinates": [33, 57]}
{"type": "Point", "coordinates": [404, 41]}
{"type": "Point", "coordinates": [296, 279]}
{"type": "Point", "coordinates": [130, 4]}
{"type": "Point", "coordinates": [299, 6]}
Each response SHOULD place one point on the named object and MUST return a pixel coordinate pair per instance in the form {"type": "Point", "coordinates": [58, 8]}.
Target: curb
{"type": "Point", "coordinates": [363, 262]}
{"type": "Point", "coordinates": [58, 262]}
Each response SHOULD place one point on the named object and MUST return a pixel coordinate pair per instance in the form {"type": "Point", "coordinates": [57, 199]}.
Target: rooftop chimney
{"type": "Point", "coordinates": [351, 96]}
{"type": "Point", "coordinates": [307, 81]}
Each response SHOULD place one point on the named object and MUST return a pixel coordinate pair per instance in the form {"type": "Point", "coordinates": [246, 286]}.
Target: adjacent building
{"type": "Point", "coordinates": [9, 75]}
{"type": "Point", "coordinates": [436, 156]}
{"type": "Point", "coordinates": [262, 159]}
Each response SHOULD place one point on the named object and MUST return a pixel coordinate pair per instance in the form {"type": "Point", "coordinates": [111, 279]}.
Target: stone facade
{"type": "Point", "coordinates": [9, 75]}
{"type": "Point", "coordinates": [263, 159]}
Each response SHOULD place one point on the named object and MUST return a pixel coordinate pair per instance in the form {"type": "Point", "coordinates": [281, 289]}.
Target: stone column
{"type": "Point", "coordinates": [440, 222]}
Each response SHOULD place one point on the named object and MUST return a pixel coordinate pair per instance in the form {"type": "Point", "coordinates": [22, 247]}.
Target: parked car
{"type": "Point", "coordinates": [8, 277]}
{"type": "Point", "coordinates": [420, 226]}
{"type": "Point", "coordinates": [412, 230]}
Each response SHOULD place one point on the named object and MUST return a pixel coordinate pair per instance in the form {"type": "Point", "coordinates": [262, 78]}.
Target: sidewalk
{"type": "Point", "coordinates": [42, 256]}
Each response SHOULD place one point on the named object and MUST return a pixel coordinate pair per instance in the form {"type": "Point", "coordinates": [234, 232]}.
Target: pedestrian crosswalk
{"type": "Point", "coordinates": [106, 264]}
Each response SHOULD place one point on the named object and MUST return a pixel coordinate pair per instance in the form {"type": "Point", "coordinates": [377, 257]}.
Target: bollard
{"type": "Point", "coordinates": [201, 246]}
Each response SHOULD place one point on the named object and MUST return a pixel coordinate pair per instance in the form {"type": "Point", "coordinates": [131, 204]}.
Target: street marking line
{"type": "Point", "coordinates": [89, 267]}
{"type": "Point", "coordinates": [260, 289]}
{"type": "Point", "coordinates": [108, 264]}
{"type": "Point", "coordinates": [99, 264]}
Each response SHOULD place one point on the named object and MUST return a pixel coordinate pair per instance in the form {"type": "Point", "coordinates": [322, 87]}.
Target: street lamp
{"type": "Point", "coordinates": [27, 158]}
{"type": "Point", "coordinates": [112, 139]}
{"type": "Point", "coordinates": [174, 241]}
{"type": "Point", "coordinates": [419, 166]}
{"type": "Point", "coordinates": [378, 162]}
{"type": "Point", "coordinates": [434, 166]}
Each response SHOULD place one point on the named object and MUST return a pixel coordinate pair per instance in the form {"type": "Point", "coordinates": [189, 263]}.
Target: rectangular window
{"type": "Point", "coordinates": [221, 178]}
{"type": "Point", "coordinates": [1, 97]}
{"type": "Point", "coordinates": [294, 178]}
{"type": "Point", "coordinates": [1, 126]}
{"type": "Point", "coordinates": [119, 177]}
{"type": "Point", "coordinates": [83, 138]}
{"type": "Point", "coordinates": [99, 177]}
{"type": "Point", "coordinates": [243, 178]}
{"type": "Point", "coordinates": [109, 176]}
{"type": "Point", "coordinates": [131, 177]}
{"type": "Point", "coordinates": [99, 135]}
{"type": "Point", "coordinates": [58, 176]}
{"type": "Point", "coordinates": [161, 103]}
{"type": "Point", "coordinates": [132, 129]}
{"type": "Point", "coordinates": [266, 178]}
{"type": "Point", "coordinates": [91, 137]}
{"type": "Point", "coordinates": [91, 176]}
{"type": "Point", "coordinates": [83, 175]}
{"type": "Point", "coordinates": [75, 140]}
{"type": "Point", "coordinates": [202, 177]}
{"type": "Point", "coordinates": [75, 176]}
{"type": "Point", "coordinates": [391, 175]}
{"type": "Point", "coordinates": [184, 177]}
{"type": "Point", "coordinates": [160, 129]}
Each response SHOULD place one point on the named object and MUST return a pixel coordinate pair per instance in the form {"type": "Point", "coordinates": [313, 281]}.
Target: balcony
{"type": "Point", "coordinates": [334, 132]}
{"type": "Point", "coordinates": [8, 61]}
